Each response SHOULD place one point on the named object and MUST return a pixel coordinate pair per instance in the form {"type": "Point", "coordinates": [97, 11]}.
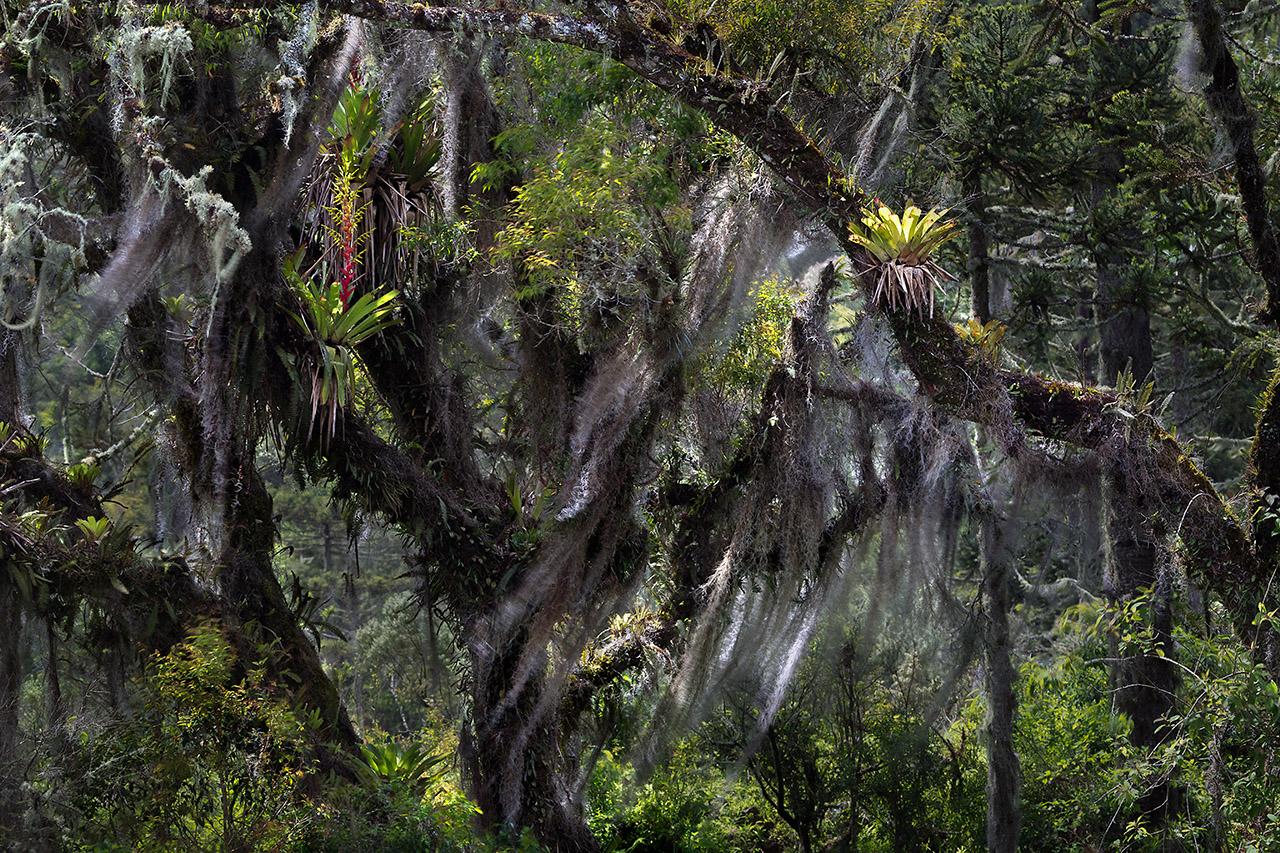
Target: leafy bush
{"type": "Point", "coordinates": [687, 805]}
{"type": "Point", "coordinates": [211, 761]}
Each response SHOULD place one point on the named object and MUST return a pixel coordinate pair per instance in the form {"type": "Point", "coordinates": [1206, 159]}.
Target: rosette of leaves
{"type": "Point", "coordinates": [355, 125]}
{"type": "Point", "coordinates": [405, 766]}
{"type": "Point", "coordinates": [337, 328]}
{"type": "Point", "coordinates": [902, 247]}
{"type": "Point", "coordinates": [416, 151]}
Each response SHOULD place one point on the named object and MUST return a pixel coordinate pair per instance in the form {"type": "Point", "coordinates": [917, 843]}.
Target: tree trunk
{"type": "Point", "coordinates": [11, 617]}
{"type": "Point", "coordinates": [250, 589]}
{"type": "Point", "coordinates": [1142, 684]}
{"type": "Point", "coordinates": [10, 693]}
{"type": "Point", "coordinates": [55, 708]}
{"type": "Point", "coordinates": [231, 523]}
{"type": "Point", "coordinates": [979, 249]}
{"type": "Point", "coordinates": [1124, 326]}
{"type": "Point", "coordinates": [1086, 355]}
{"type": "Point", "coordinates": [1136, 683]}
{"type": "Point", "coordinates": [516, 770]}
{"type": "Point", "coordinates": [1225, 99]}
{"type": "Point", "coordinates": [1004, 774]}
{"type": "Point", "coordinates": [1124, 321]}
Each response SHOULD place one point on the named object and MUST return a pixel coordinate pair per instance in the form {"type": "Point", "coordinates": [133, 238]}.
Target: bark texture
{"type": "Point", "coordinates": [12, 616]}
{"type": "Point", "coordinates": [1227, 103]}
{"type": "Point", "coordinates": [1004, 772]}
{"type": "Point", "coordinates": [979, 250]}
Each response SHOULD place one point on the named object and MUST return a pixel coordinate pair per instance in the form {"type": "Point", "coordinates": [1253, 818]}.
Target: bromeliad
{"type": "Point", "coordinates": [338, 327]}
{"type": "Point", "coordinates": [347, 212]}
{"type": "Point", "coordinates": [901, 247]}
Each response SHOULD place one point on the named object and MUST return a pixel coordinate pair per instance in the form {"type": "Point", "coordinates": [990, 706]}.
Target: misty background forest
{"type": "Point", "coordinates": [640, 425]}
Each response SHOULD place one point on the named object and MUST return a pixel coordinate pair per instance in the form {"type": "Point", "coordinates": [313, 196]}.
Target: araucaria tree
{"type": "Point", "coordinates": [429, 426]}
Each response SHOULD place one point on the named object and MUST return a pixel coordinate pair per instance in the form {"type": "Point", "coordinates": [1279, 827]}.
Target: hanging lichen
{"type": "Point", "coordinates": [27, 229]}
{"type": "Point", "coordinates": [292, 63]}
{"type": "Point", "coordinates": [217, 218]}
{"type": "Point", "coordinates": [146, 60]}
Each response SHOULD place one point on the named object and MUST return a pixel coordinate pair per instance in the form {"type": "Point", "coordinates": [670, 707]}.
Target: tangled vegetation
{"type": "Point", "coordinates": [562, 427]}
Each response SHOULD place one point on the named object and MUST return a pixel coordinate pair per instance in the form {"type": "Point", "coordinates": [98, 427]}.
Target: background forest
{"type": "Point", "coordinates": [659, 425]}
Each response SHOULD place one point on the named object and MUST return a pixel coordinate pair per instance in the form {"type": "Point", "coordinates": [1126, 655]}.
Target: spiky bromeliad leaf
{"type": "Point", "coordinates": [409, 765]}
{"type": "Point", "coordinates": [416, 153]}
{"type": "Point", "coordinates": [93, 528]}
{"type": "Point", "coordinates": [355, 125]}
{"type": "Point", "coordinates": [337, 333]}
{"type": "Point", "coordinates": [901, 246]}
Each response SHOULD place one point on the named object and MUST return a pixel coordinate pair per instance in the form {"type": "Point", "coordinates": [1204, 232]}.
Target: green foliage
{"type": "Point", "coordinates": [832, 41]}
{"type": "Point", "coordinates": [214, 761]}
{"type": "Point", "coordinates": [1210, 740]}
{"type": "Point", "coordinates": [31, 445]}
{"type": "Point", "coordinates": [985, 336]}
{"type": "Point", "coordinates": [599, 220]}
{"type": "Point", "coordinates": [1001, 95]}
{"type": "Point", "coordinates": [447, 243]}
{"type": "Point", "coordinates": [589, 191]}
{"type": "Point", "coordinates": [312, 612]}
{"type": "Point", "coordinates": [357, 122]}
{"type": "Point", "coordinates": [688, 805]}
{"type": "Point", "coordinates": [358, 126]}
{"type": "Point", "coordinates": [1070, 744]}
{"type": "Point", "coordinates": [337, 327]}
{"type": "Point", "coordinates": [760, 341]}
{"type": "Point", "coordinates": [83, 474]}
{"type": "Point", "coordinates": [574, 218]}
{"type": "Point", "coordinates": [417, 150]}
{"type": "Point", "coordinates": [210, 761]}
{"type": "Point", "coordinates": [213, 42]}
{"type": "Point", "coordinates": [909, 239]}
{"type": "Point", "coordinates": [352, 819]}
{"type": "Point", "coordinates": [93, 529]}
{"type": "Point", "coordinates": [406, 765]}
{"type": "Point", "coordinates": [325, 319]}
{"type": "Point", "coordinates": [1136, 402]}
{"type": "Point", "coordinates": [401, 668]}
{"type": "Point", "coordinates": [402, 812]}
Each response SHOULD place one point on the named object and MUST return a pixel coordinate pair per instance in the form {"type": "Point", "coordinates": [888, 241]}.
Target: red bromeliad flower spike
{"type": "Point", "coordinates": [347, 273]}
{"type": "Point", "coordinates": [347, 230]}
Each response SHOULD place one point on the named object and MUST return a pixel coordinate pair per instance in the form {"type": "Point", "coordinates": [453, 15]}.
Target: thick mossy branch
{"type": "Point", "coordinates": [428, 403]}
{"type": "Point", "coordinates": [704, 518]}
{"type": "Point", "coordinates": [444, 517]}
{"type": "Point", "coordinates": [156, 601]}
{"type": "Point", "coordinates": [1225, 98]}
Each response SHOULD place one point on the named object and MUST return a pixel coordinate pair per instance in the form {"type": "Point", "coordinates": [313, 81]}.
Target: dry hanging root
{"type": "Point", "coordinates": [909, 286]}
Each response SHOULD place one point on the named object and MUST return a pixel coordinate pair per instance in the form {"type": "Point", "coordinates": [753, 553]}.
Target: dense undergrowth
{"type": "Point", "coordinates": [209, 759]}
